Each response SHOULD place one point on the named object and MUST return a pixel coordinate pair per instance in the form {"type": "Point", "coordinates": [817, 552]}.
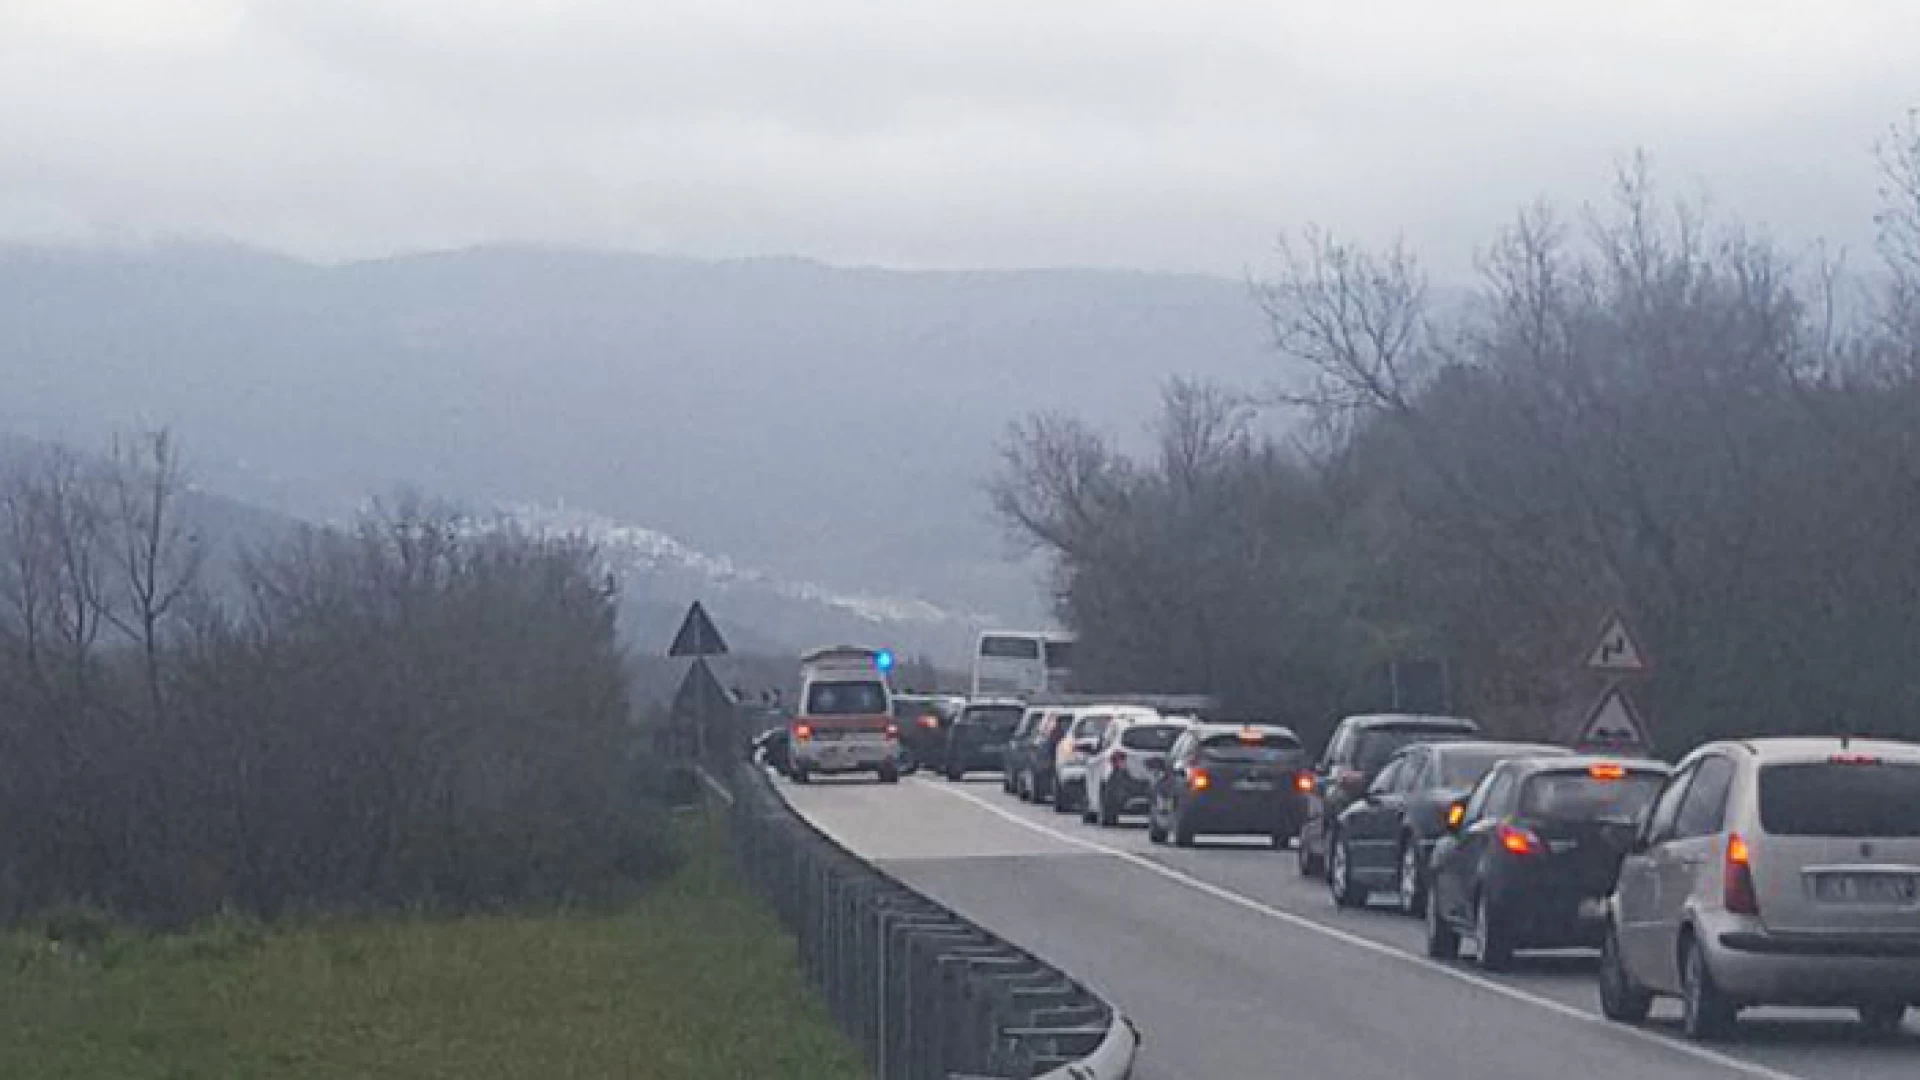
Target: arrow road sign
{"type": "Point", "coordinates": [697, 636]}
{"type": "Point", "coordinates": [1617, 650]}
{"type": "Point", "coordinates": [1614, 723]}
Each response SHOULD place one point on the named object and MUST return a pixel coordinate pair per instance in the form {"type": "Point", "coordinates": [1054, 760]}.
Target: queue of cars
{"type": "Point", "coordinates": [1781, 871]}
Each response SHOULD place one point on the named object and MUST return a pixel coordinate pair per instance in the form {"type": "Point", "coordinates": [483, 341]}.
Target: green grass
{"type": "Point", "coordinates": [693, 980]}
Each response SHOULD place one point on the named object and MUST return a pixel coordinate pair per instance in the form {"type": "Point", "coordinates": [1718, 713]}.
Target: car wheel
{"type": "Point", "coordinates": [1281, 838]}
{"type": "Point", "coordinates": [1621, 999]}
{"type": "Point", "coordinates": [1006, 782]}
{"type": "Point", "coordinates": [1310, 864]}
{"type": "Point", "coordinates": [909, 763]}
{"type": "Point", "coordinates": [1062, 799]}
{"type": "Point", "coordinates": [800, 775]}
{"type": "Point", "coordinates": [1156, 832]}
{"type": "Point", "coordinates": [1412, 891]}
{"type": "Point", "coordinates": [1883, 1017]}
{"type": "Point", "coordinates": [1109, 813]}
{"type": "Point", "coordinates": [1705, 1012]}
{"type": "Point", "coordinates": [1495, 947]}
{"type": "Point", "coordinates": [889, 774]}
{"type": "Point", "coordinates": [955, 773]}
{"type": "Point", "coordinates": [1182, 830]}
{"type": "Point", "coordinates": [1443, 941]}
{"type": "Point", "coordinates": [1024, 786]}
{"type": "Point", "coordinates": [1346, 893]}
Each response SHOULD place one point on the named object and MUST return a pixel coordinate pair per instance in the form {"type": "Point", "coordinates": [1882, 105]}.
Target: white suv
{"type": "Point", "coordinates": [1773, 872]}
{"type": "Point", "coordinates": [1120, 774]}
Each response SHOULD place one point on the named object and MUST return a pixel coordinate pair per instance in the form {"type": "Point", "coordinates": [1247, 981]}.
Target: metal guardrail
{"type": "Point", "coordinates": [927, 994]}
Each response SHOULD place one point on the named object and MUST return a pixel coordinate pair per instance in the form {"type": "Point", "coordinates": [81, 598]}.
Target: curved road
{"type": "Point", "coordinates": [1234, 966]}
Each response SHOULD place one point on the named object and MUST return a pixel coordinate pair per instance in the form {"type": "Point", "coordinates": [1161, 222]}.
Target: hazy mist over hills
{"type": "Point", "coordinates": [822, 425]}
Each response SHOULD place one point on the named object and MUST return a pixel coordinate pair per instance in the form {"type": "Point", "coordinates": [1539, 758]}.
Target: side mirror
{"type": "Point", "coordinates": [1085, 746]}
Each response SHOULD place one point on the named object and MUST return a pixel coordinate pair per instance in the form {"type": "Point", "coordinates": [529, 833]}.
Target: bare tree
{"type": "Point", "coordinates": [157, 555]}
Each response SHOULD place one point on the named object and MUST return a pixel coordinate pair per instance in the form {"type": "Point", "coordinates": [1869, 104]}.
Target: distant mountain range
{"type": "Point", "coordinates": [818, 425]}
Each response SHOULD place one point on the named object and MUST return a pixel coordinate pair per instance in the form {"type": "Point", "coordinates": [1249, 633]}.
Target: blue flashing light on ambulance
{"type": "Point", "coordinates": [1022, 663]}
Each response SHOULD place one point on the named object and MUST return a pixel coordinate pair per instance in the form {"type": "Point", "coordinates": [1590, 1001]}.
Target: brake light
{"type": "Point", "coordinates": [1518, 841]}
{"type": "Point", "coordinates": [1741, 897]}
{"type": "Point", "coordinates": [1303, 783]}
{"type": "Point", "coordinates": [1198, 780]}
{"type": "Point", "coordinates": [803, 732]}
{"type": "Point", "coordinates": [1853, 759]}
{"type": "Point", "coordinates": [929, 721]}
{"type": "Point", "coordinates": [1252, 736]}
{"type": "Point", "coordinates": [893, 731]}
{"type": "Point", "coordinates": [1606, 772]}
{"type": "Point", "coordinates": [1456, 813]}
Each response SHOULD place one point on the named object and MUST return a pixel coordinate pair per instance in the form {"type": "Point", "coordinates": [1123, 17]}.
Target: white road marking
{"type": "Point", "coordinates": [1694, 1050]}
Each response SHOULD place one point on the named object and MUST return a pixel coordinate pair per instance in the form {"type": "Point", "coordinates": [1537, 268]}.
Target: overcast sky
{"type": "Point", "coordinates": [1181, 134]}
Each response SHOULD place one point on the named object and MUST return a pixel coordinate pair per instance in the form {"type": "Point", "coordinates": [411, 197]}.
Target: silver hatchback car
{"type": "Point", "coordinates": [1772, 872]}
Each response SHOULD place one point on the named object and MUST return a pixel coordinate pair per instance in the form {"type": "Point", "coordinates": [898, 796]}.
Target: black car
{"type": "Point", "coordinates": [1381, 842]}
{"type": "Point", "coordinates": [1359, 749]}
{"type": "Point", "coordinates": [923, 720]}
{"type": "Point", "coordinates": [1228, 778]}
{"type": "Point", "coordinates": [1534, 855]}
{"type": "Point", "coordinates": [1033, 755]}
{"type": "Point", "coordinates": [977, 738]}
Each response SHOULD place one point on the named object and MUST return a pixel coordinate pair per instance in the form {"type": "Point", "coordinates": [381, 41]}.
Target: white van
{"type": "Point", "coordinates": [844, 722]}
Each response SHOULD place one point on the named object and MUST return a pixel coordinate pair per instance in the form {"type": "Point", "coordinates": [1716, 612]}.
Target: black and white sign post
{"type": "Point", "coordinates": [1615, 724]}
{"type": "Point", "coordinates": [700, 707]}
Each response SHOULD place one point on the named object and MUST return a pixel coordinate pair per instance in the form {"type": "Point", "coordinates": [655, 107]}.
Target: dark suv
{"type": "Point", "coordinates": [924, 720]}
{"type": "Point", "coordinates": [1359, 749]}
{"type": "Point", "coordinates": [977, 738]}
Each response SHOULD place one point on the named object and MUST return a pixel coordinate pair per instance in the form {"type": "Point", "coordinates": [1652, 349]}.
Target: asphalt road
{"type": "Point", "coordinates": [1234, 966]}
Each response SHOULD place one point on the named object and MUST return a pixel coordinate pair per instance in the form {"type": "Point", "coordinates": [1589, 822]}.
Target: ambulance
{"type": "Point", "coordinates": [844, 722]}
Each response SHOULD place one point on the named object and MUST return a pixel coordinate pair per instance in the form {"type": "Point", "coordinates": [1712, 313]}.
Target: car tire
{"type": "Point", "coordinates": [1062, 800]}
{"type": "Point", "coordinates": [1182, 831]}
{"type": "Point", "coordinates": [1443, 941]}
{"type": "Point", "coordinates": [1495, 947]}
{"type": "Point", "coordinates": [1109, 815]}
{"type": "Point", "coordinates": [1621, 999]}
{"type": "Point", "coordinates": [1882, 1017]}
{"type": "Point", "coordinates": [801, 775]}
{"type": "Point", "coordinates": [1023, 787]}
{"type": "Point", "coordinates": [1156, 832]}
{"type": "Point", "coordinates": [889, 774]}
{"type": "Point", "coordinates": [1705, 1012]}
{"type": "Point", "coordinates": [955, 775]}
{"type": "Point", "coordinates": [1311, 865]}
{"type": "Point", "coordinates": [1411, 892]}
{"type": "Point", "coordinates": [1346, 894]}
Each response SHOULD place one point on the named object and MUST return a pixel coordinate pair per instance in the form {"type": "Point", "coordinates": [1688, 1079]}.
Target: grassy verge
{"type": "Point", "coordinates": [694, 980]}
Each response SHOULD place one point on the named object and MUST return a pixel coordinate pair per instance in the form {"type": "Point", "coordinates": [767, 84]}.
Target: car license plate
{"type": "Point", "coordinates": [1253, 785]}
{"type": "Point", "coordinates": [1884, 889]}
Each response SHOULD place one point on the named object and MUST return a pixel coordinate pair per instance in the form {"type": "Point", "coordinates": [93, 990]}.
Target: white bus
{"type": "Point", "coordinates": [1022, 662]}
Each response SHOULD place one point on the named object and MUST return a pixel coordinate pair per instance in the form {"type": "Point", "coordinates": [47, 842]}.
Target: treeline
{"type": "Point", "coordinates": [1641, 409]}
{"type": "Point", "coordinates": [418, 712]}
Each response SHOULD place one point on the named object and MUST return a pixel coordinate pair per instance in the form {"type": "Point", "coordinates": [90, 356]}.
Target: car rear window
{"type": "Point", "coordinates": [1580, 796]}
{"type": "Point", "coordinates": [1835, 799]}
{"type": "Point", "coordinates": [998, 718]}
{"type": "Point", "coordinates": [1464, 768]}
{"type": "Point", "coordinates": [1151, 737]}
{"type": "Point", "coordinates": [1256, 748]}
{"type": "Point", "coordinates": [846, 699]}
{"type": "Point", "coordinates": [1376, 745]}
{"type": "Point", "coordinates": [907, 710]}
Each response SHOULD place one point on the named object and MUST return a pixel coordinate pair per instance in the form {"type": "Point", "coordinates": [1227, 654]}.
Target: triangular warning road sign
{"type": "Point", "coordinates": [698, 636]}
{"type": "Point", "coordinates": [700, 696]}
{"type": "Point", "coordinates": [1617, 650]}
{"type": "Point", "coordinates": [1614, 723]}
